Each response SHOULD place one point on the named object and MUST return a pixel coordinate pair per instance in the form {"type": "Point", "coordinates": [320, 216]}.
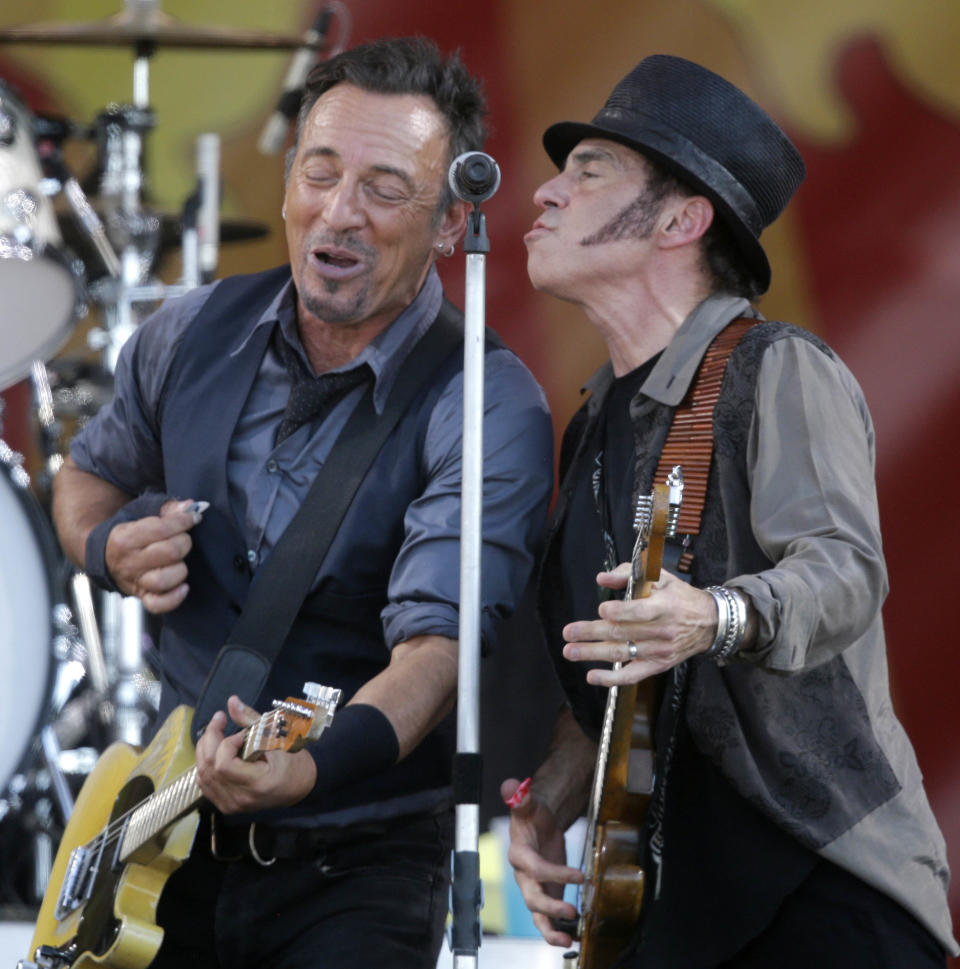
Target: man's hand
{"type": "Point", "coordinates": [676, 621]}
{"type": "Point", "coordinates": [234, 785]}
{"type": "Point", "coordinates": [538, 856]}
{"type": "Point", "coordinates": [146, 557]}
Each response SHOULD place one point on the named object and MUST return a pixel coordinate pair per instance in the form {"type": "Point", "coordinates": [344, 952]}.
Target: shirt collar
{"type": "Point", "coordinates": [383, 355]}
{"type": "Point", "coordinates": [671, 376]}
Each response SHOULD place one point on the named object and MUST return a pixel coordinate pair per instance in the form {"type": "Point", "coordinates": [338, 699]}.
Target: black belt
{"type": "Point", "coordinates": [265, 843]}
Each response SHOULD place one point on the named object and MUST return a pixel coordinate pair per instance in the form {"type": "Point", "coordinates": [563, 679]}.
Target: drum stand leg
{"type": "Point", "coordinates": [123, 644]}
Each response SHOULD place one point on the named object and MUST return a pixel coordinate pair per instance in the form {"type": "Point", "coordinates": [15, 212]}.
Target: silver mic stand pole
{"type": "Point", "coordinates": [474, 177]}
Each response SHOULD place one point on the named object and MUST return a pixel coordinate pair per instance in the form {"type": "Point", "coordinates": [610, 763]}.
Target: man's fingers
{"type": "Point", "coordinates": [240, 713]}
{"type": "Point", "coordinates": [164, 602]}
{"type": "Point", "coordinates": [631, 673]}
{"type": "Point", "coordinates": [615, 578]}
{"type": "Point", "coordinates": [550, 934]}
{"type": "Point", "coordinates": [526, 861]}
{"type": "Point", "coordinates": [162, 580]}
{"type": "Point", "coordinates": [146, 531]}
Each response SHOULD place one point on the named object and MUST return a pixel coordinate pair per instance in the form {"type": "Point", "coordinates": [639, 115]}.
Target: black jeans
{"type": "Point", "coordinates": [835, 921]}
{"type": "Point", "coordinates": [381, 901]}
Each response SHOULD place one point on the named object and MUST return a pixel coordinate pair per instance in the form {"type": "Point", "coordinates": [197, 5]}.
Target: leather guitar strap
{"type": "Point", "coordinates": [282, 584]}
{"type": "Point", "coordinates": [690, 438]}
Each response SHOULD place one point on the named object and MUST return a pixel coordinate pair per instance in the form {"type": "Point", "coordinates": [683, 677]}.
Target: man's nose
{"type": "Point", "coordinates": [343, 207]}
{"type": "Point", "coordinates": [551, 193]}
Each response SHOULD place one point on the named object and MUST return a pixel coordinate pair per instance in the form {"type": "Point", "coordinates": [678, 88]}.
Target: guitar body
{"type": "Point", "coordinates": [613, 895]}
{"type": "Point", "coordinates": [116, 927]}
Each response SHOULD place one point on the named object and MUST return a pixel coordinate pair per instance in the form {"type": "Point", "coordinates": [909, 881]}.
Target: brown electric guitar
{"type": "Point", "coordinates": [612, 894]}
{"type": "Point", "coordinates": [133, 825]}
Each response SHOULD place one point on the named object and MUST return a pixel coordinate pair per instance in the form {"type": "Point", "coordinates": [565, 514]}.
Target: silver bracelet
{"type": "Point", "coordinates": [731, 623]}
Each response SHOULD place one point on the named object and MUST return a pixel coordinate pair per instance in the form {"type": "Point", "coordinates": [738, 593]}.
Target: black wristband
{"type": "Point", "coordinates": [360, 742]}
{"type": "Point", "coordinates": [95, 551]}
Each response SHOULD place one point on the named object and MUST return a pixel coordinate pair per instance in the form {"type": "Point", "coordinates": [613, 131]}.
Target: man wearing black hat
{"type": "Point", "coordinates": [787, 824]}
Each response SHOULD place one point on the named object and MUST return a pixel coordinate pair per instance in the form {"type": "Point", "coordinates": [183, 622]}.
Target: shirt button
{"type": "Point", "coordinates": [251, 556]}
{"type": "Point", "coordinates": [272, 466]}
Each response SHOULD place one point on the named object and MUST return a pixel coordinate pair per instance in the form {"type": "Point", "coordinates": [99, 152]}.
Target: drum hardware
{"type": "Point", "coordinates": [90, 632]}
{"type": "Point", "coordinates": [123, 632]}
{"type": "Point", "coordinates": [50, 749]}
{"type": "Point", "coordinates": [37, 282]}
{"type": "Point", "coordinates": [48, 425]}
{"type": "Point", "coordinates": [143, 23]}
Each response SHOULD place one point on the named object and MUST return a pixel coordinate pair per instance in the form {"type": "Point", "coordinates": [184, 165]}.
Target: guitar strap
{"type": "Point", "coordinates": [690, 438]}
{"type": "Point", "coordinates": [282, 584]}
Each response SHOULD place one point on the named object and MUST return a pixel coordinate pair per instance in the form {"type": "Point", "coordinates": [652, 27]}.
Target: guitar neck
{"type": "Point", "coordinates": [161, 808]}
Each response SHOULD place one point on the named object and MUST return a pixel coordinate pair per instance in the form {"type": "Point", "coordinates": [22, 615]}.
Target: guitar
{"type": "Point", "coordinates": [612, 893]}
{"type": "Point", "coordinates": [133, 825]}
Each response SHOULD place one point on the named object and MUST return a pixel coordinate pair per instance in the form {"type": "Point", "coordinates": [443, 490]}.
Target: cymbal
{"type": "Point", "coordinates": [152, 26]}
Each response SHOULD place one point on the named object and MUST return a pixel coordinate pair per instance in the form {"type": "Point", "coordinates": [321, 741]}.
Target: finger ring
{"type": "Point", "coordinates": [632, 650]}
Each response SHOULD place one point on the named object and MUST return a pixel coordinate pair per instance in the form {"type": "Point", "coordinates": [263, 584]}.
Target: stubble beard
{"type": "Point", "coordinates": [321, 300]}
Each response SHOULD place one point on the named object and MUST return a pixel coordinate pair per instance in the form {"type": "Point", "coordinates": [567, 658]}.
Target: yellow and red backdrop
{"type": "Point", "coordinates": [867, 256]}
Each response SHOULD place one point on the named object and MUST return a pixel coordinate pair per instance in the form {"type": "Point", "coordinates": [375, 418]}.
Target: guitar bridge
{"type": "Point", "coordinates": [79, 879]}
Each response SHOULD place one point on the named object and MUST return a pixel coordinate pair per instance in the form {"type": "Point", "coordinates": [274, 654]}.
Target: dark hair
{"type": "Point", "coordinates": [721, 254]}
{"type": "Point", "coordinates": [406, 65]}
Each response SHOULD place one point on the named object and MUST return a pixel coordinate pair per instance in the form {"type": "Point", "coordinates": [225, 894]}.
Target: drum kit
{"type": "Point", "coordinates": [75, 664]}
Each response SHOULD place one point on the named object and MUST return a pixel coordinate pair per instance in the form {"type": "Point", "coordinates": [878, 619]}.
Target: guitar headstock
{"type": "Point", "coordinates": [292, 722]}
{"type": "Point", "coordinates": [655, 520]}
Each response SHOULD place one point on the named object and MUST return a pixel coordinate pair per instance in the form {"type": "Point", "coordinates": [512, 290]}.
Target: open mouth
{"type": "Point", "coordinates": [341, 262]}
{"type": "Point", "coordinates": [337, 263]}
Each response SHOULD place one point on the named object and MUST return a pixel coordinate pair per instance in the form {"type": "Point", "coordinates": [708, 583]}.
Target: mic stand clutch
{"type": "Point", "coordinates": [474, 177]}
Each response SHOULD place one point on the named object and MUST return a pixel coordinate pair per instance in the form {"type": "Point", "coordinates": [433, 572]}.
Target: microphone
{"type": "Point", "coordinates": [274, 132]}
{"type": "Point", "coordinates": [474, 176]}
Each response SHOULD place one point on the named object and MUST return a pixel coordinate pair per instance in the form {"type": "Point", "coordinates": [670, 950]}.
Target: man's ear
{"type": "Point", "coordinates": [687, 218]}
{"type": "Point", "coordinates": [453, 223]}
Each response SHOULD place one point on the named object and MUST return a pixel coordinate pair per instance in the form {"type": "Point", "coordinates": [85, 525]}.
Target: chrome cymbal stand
{"type": "Point", "coordinates": [134, 232]}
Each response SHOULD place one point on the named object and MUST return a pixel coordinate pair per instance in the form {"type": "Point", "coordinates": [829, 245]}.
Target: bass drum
{"type": "Point", "coordinates": [28, 579]}
{"type": "Point", "coordinates": [38, 290]}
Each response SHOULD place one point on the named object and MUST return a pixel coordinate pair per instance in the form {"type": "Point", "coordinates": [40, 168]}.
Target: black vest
{"type": "Point", "coordinates": [730, 799]}
{"type": "Point", "coordinates": [337, 639]}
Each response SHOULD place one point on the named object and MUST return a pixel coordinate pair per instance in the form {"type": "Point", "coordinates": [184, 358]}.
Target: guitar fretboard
{"type": "Point", "coordinates": [163, 807]}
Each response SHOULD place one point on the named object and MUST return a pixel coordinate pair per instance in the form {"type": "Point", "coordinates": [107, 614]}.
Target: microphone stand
{"type": "Point", "coordinates": [466, 895]}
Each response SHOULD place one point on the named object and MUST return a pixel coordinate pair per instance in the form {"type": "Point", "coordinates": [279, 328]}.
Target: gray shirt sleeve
{"type": "Point", "coordinates": [518, 479]}
{"type": "Point", "coordinates": [810, 461]}
{"type": "Point", "coordinates": [122, 443]}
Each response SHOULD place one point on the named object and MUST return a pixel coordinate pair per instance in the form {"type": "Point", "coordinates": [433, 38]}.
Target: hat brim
{"type": "Point", "coordinates": [683, 160]}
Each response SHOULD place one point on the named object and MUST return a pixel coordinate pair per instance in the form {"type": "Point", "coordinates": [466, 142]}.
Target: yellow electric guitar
{"type": "Point", "coordinates": [133, 825]}
{"type": "Point", "coordinates": [612, 893]}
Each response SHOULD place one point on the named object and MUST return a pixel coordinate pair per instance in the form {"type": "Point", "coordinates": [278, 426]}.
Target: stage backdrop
{"type": "Point", "coordinates": [866, 255]}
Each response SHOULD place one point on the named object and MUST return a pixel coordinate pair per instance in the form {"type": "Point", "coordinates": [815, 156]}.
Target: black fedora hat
{"type": "Point", "coordinates": [707, 132]}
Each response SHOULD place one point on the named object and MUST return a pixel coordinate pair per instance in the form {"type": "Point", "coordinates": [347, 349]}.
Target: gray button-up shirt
{"type": "Point", "coordinates": [268, 483]}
